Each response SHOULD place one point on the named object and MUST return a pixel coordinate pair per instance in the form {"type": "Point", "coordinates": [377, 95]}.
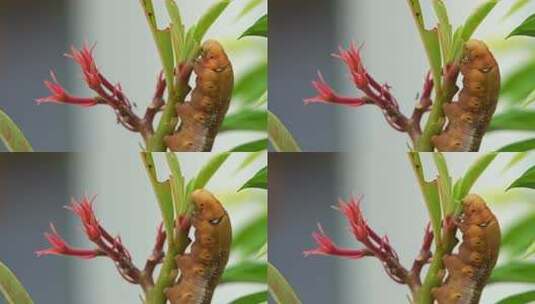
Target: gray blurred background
{"type": "Point", "coordinates": [303, 187]}
{"type": "Point", "coordinates": [34, 35]}
{"type": "Point", "coordinates": [304, 34]}
{"type": "Point", "coordinates": [34, 188]}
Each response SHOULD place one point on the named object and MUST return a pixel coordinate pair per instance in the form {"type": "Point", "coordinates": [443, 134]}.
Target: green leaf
{"type": "Point", "coordinates": [209, 169]}
{"type": "Point", "coordinates": [263, 251]}
{"type": "Point", "coordinates": [279, 288]}
{"type": "Point", "coordinates": [519, 236]}
{"type": "Point", "coordinates": [249, 159]}
{"type": "Point", "coordinates": [444, 29]}
{"type": "Point", "coordinates": [519, 146]}
{"type": "Point", "coordinates": [529, 99]}
{"type": "Point", "coordinates": [263, 99]}
{"type": "Point", "coordinates": [513, 120]}
{"type": "Point", "coordinates": [519, 4]}
{"type": "Point", "coordinates": [521, 298]}
{"type": "Point", "coordinates": [530, 251]}
{"type": "Point", "coordinates": [177, 184]}
{"type": "Point", "coordinates": [246, 119]}
{"type": "Point", "coordinates": [444, 184]}
{"type": "Point", "coordinates": [163, 194]}
{"type": "Point", "coordinates": [11, 288]}
{"type": "Point", "coordinates": [464, 184]}
{"type": "Point", "coordinates": [432, 200]}
{"type": "Point", "coordinates": [208, 19]}
{"type": "Point", "coordinates": [247, 271]}
{"type": "Point", "coordinates": [174, 12]}
{"type": "Point", "coordinates": [518, 84]}
{"type": "Point", "coordinates": [456, 45]}
{"type": "Point", "coordinates": [471, 24]}
{"type": "Point", "coordinates": [259, 28]}
{"type": "Point", "coordinates": [254, 298]}
{"type": "Point", "coordinates": [526, 28]}
{"type": "Point", "coordinates": [527, 180]}
{"type": "Point", "coordinates": [279, 136]}
{"type": "Point", "coordinates": [515, 158]}
{"type": "Point", "coordinates": [162, 39]}
{"type": "Point", "coordinates": [515, 272]}
{"type": "Point", "coordinates": [430, 193]}
{"type": "Point", "coordinates": [252, 236]}
{"type": "Point", "coordinates": [252, 146]}
{"type": "Point", "coordinates": [249, 6]}
{"type": "Point", "coordinates": [12, 136]}
{"type": "Point", "coordinates": [430, 41]}
{"type": "Point", "coordinates": [250, 87]}
{"type": "Point", "coordinates": [478, 15]}
{"type": "Point", "coordinates": [259, 180]}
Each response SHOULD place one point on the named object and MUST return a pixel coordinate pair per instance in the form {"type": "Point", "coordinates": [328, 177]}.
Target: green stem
{"type": "Point", "coordinates": [430, 194]}
{"type": "Point", "coordinates": [176, 242]}
{"type": "Point", "coordinates": [148, 9]}
{"type": "Point", "coordinates": [417, 14]}
{"type": "Point", "coordinates": [433, 278]}
{"type": "Point", "coordinates": [444, 238]}
{"type": "Point", "coordinates": [435, 121]}
{"type": "Point", "coordinates": [169, 119]}
{"type": "Point", "coordinates": [168, 272]}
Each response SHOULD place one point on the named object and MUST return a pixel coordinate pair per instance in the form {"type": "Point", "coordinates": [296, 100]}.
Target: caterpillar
{"type": "Point", "coordinates": [202, 267]}
{"type": "Point", "coordinates": [469, 270]}
{"type": "Point", "coordinates": [469, 118]}
{"type": "Point", "coordinates": [202, 117]}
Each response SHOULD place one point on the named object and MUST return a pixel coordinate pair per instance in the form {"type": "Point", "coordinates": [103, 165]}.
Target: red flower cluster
{"type": "Point", "coordinates": [105, 244]}
{"type": "Point", "coordinates": [106, 93]}
{"type": "Point", "coordinates": [374, 93]}
{"type": "Point", "coordinates": [60, 95]}
{"type": "Point", "coordinates": [374, 245]}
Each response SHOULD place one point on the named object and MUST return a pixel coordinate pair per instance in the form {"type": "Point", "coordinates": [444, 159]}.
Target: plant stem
{"type": "Point", "coordinates": [444, 238]}
{"type": "Point", "coordinates": [176, 242]}
{"type": "Point", "coordinates": [148, 9]}
{"type": "Point", "coordinates": [168, 272]}
{"type": "Point", "coordinates": [429, 39]}
{"type": "Point", "coordinates": [430, 194]}
{"type": "Point", "coordinates": [175, 92]}
{"type": "Point", "coordinates": [417, 14]}
{"type": "Point", "coordinates": [169, 119]}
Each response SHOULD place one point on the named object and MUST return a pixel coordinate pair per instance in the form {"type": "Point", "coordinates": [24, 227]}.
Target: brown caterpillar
{"type": "Point", "coordinates": [469, 118]}
{"type": "Point", "coordinates": [201, 269]}
{"type": "Point", "coordinates": [469, 270]}
{"type": "Point", "coordinates": [202, 117]}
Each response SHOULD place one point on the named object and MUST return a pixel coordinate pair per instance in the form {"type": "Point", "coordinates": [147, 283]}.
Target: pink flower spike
{"type": "Point", "coordinates": [327, 95]}
{"type": "Point", "coordinates": [61, 247]}
{"type": "Point", "coordinates": [84, 58]}
{"type": "Point", "coordinates": [60, 95]}
{"type": "Point", "coordinates": [327, 247]}
{"type": "Point", "coordinates": [84, 210]}
{"type": "Point", "coordinates": [353, 214]}
{"type": "Point", "coordinates": [351, 57]}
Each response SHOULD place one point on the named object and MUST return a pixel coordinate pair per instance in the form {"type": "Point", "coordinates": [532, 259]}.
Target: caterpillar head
{"type": "Point", "coordinates": [207, 208]}
{"type": "Point", "coordinates": [213, 55]}
{"type": "Point", "coordinates": [476, 55]}
{"type": "Point", "coordinates": [475, 210]}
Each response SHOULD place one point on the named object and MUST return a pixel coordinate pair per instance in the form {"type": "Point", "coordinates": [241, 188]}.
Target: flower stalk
{"type": "Point", "coordinates": [375, 246]}
{"type": "Point", "coordinates": [106, 245]}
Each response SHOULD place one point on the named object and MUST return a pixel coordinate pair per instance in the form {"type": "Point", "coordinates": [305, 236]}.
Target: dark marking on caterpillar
{"type": "Point", "coordinates": [469, 118]}
{"type": "Point", "coordinates": [202, 267]}
{"type": "Point", "coordinates": [202, 117]}
{"type": "Point", "coordinates": [469, 269]}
